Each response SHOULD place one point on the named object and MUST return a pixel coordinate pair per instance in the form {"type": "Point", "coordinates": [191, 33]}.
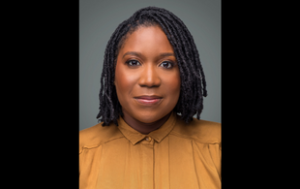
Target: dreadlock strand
{"type": "Point", "coordinates": [190, 99]}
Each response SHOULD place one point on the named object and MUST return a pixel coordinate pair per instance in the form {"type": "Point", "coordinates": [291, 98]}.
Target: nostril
{"type": "Point", "coordinates": [149, 78]}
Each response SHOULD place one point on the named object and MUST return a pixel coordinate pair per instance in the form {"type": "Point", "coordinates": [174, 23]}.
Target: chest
{"type": "Point", "coordinates": [173, 163]}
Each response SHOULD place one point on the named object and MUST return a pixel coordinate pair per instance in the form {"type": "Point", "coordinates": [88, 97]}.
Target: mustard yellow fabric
{"type": "Point", "coordinates": [176, 156]}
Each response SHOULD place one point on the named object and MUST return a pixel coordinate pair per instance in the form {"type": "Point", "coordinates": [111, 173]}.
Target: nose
{"type": "Point", "coordinates": [150, 77]}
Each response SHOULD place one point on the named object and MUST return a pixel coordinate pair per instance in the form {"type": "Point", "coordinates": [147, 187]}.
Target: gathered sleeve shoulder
{"type": "Point", "coordinates": [97, 135]}
{"type": "Point", "coordinates": [210, 134]}
{"type": "Point", "coordinates": [91, 142]}
{"type": "Point", "coordinates": [216, 155]}
{"type": "Point", "coordinates": [206, 137]}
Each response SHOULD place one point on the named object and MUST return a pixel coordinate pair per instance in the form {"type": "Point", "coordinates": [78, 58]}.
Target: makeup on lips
{"type": "Point", "coordinates": [148, 100]}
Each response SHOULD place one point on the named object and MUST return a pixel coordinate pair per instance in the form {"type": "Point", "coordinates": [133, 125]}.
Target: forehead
{"type": "Point", "coordinates": [145, 39]}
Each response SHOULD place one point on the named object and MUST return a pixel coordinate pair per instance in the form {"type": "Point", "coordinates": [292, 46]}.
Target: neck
{"type": "Point", "coordinates": [144, 128]}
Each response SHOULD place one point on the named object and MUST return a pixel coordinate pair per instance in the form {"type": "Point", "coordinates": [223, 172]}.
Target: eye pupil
{"type": "Point", "coordinates": [166, 64]}
{"type": "Point", "coordinates": [136, 63]}
{"type": "Point", "coordinates": [133, 63]}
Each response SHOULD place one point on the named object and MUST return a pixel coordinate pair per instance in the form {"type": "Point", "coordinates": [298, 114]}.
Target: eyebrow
{"type": "Point", "coordinates": [140, 55]}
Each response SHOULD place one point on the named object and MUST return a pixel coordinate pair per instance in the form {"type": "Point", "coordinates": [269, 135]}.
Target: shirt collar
{"type": "Point", "coordinates": [158, 135]}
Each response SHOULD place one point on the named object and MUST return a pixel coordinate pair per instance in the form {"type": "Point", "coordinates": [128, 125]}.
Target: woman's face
{"type": "Point", "coordinates": [147, 77]}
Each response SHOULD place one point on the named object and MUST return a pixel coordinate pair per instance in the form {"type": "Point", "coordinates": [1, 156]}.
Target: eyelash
{"type": "Point", "coordinates": [128, 62]}
{"type": "Point", "coordinates": [170, 63]}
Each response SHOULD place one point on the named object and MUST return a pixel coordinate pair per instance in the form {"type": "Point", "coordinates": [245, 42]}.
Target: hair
{"type": "Point", "coordinates": [193, 84]}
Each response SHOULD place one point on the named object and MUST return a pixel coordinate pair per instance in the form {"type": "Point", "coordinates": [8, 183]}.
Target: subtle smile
{"type": "Point", "coordinates": [148, 100]}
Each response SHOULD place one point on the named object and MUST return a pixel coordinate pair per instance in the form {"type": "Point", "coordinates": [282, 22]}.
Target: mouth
{"type": "Point", "coordinates": [148, 100]}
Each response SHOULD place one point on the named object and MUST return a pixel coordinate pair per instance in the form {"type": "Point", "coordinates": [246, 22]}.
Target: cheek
{"type": "Point", "coordinates": [172, 84]}
{"type": "Point", "coordinates": [120, 81]}
{"type": "Point", "coordinates": [124, 81]}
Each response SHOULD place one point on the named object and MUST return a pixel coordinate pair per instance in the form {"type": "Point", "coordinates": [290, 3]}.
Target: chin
{"type": "Point", "coordinates": [150, 117]}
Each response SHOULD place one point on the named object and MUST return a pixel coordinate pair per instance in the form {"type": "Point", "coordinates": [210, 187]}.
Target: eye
{"type": "Point", "coordinates": [167, 64]}
{"type": "Point", "coordinates": [133, 63]}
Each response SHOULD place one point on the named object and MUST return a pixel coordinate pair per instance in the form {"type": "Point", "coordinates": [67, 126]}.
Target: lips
{"type": "Point", "coordinates": [148, 100]}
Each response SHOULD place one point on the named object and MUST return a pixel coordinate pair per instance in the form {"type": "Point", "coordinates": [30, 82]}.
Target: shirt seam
{"type": "Point", "coordinates": [169, 162]}
{"type": "Point", "coordinates": [90, 147]}
{"type": "Point", "coordinates": [213, 162]}
{"type": "Point", "coordinates": [154, 165]}
{"type": "Point", "coordinates": [184, 136]}
{"type": "Point", "coordinates": [195, 163]}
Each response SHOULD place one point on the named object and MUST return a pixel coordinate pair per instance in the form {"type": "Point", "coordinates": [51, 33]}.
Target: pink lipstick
{"type": "Point", "coordinates": [148, 100]}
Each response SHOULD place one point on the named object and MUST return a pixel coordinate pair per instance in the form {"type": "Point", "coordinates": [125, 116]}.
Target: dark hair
{"type": "Point", "coordinates": [193, 84]}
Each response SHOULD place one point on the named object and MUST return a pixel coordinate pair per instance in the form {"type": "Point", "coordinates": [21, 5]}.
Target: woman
{"type": "Point", "coordinates": [151, 86]}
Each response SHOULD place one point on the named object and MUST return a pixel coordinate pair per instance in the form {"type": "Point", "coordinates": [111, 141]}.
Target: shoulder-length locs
{"type": "Point", "coordinates": [193, 84]}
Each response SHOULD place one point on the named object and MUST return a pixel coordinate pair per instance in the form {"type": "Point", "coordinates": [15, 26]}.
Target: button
{"type": "Point", "coordinates": [148, 139]}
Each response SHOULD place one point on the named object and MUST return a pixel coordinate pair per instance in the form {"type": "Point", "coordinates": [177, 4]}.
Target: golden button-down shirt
{"type": "Point", "coordinates": [176, 156]}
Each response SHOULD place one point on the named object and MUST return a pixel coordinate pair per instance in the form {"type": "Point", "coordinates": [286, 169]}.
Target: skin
{"type": "Point", "coordinates": [146, 65]}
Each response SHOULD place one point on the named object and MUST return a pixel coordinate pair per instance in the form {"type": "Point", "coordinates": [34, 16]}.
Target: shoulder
{"type": "Point", "coordinates": [97, 135]}
{"type": "Point", "coordinates": [201, 130]}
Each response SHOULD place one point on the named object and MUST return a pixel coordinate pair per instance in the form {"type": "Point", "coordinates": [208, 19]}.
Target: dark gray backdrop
{"type": "Point", "coordinates": [99, 18]}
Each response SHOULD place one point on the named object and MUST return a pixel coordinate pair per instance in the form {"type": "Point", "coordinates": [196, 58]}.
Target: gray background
{"type": "Point", "coordinates": [99, 18]}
